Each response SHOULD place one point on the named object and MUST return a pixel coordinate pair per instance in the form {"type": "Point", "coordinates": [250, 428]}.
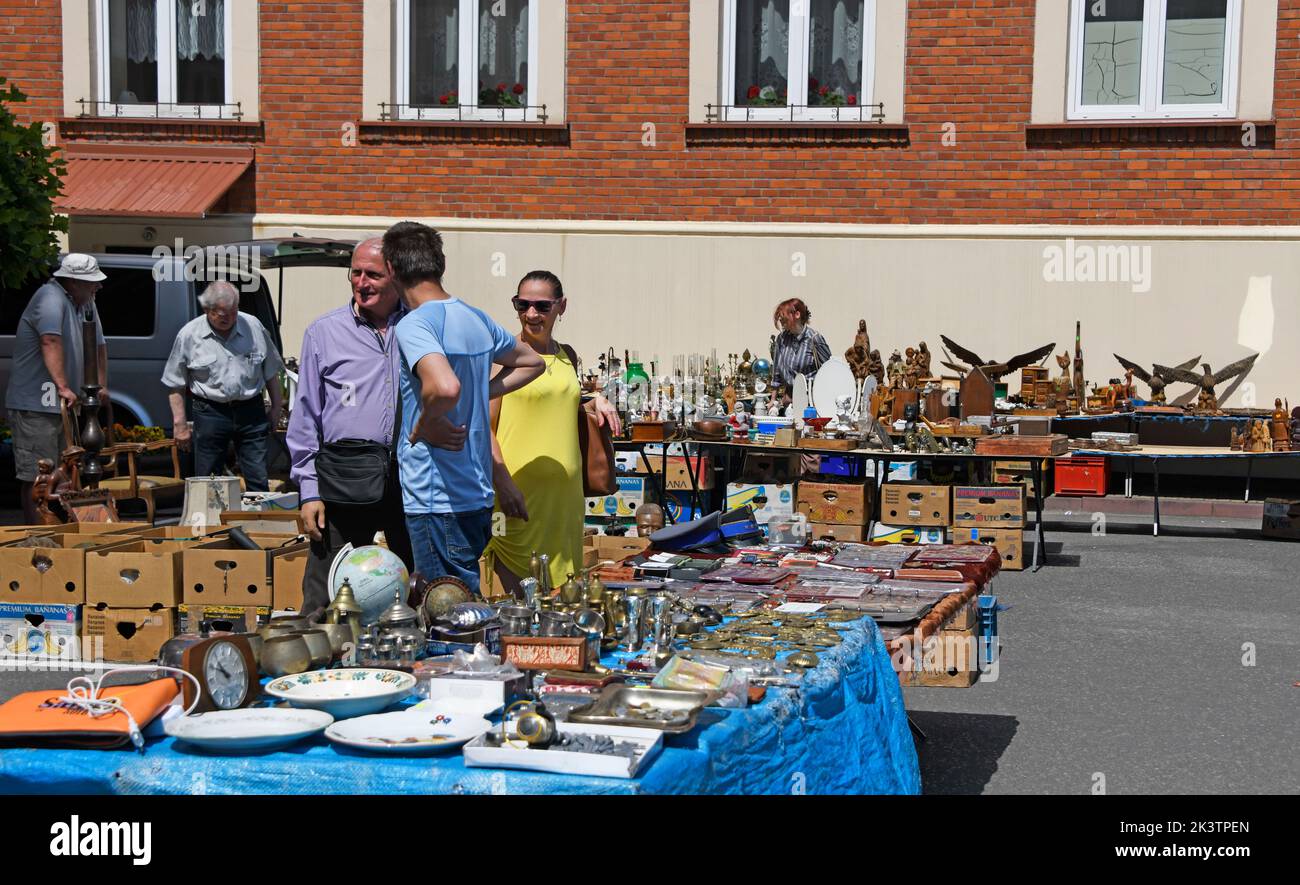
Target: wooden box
{"type": "Point", "coordinates": [1013, 446]}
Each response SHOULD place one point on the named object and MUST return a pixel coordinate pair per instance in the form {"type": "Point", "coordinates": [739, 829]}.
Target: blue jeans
{"type": "Point", "coordinates": [450, 544]}
{"type": "Point", "coordinates": [216, 425]}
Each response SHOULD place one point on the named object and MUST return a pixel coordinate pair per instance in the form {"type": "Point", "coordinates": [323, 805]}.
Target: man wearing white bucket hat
{"type": "Point", "coordinates": [48, 366]}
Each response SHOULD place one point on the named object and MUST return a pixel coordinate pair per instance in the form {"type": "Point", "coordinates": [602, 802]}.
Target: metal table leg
{"type": "Point", "coordinates": [1040, 545]}
{"type": "Point", "coordinates": [1249, 462]}
{"type": "Point", "coordinates": [1155, 491]}
{"type": "Point", "coordinates": [1128, 478]}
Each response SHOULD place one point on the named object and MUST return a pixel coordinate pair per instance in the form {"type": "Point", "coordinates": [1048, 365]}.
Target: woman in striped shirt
{"type": "Point", "coordinates": [799, 349]}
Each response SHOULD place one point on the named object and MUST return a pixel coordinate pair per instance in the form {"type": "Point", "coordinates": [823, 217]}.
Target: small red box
{"type": "Point", "coordinates": [1083, 475]}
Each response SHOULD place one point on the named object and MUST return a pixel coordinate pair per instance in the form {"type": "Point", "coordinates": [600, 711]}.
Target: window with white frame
{"type": "Point", "coordinates": [466, 59]}
{"type": "Point", "coordinates": [797, 59]}
{"type": "Point", "coordinates": [167, 58]}
{"type": "Point", "coordinates": [1153, 59]}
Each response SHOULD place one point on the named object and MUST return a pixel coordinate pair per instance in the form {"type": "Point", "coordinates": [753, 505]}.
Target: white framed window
{"type": "Point", "coordinates": [165, 58]}
{"type": "Point", "coordinates": [809, 60]}
{"type": "Point", "coordinates": [1153, 59]}
{"type": "Point", "coordinates": [466, 60]}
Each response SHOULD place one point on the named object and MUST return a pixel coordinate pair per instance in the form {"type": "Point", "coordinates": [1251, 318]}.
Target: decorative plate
{"type": "Point", "coordinates": [249, 730]}
{"type": "Point", "coordinates": [407, 732]}
{"type": "Point", "coordinates": [343, 693]}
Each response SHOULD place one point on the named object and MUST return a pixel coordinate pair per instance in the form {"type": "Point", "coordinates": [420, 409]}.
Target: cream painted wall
{"type": "Point", "coordinates": [246, 36]}
{"type": "Point", "coordinates": [1051, 60]}
{"type": "Point", "coordinates": [667, 293]}
{"type": "Point", "coordinates": [78, 55]}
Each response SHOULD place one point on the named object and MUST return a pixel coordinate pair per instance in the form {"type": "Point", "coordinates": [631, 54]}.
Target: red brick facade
{"type": "Point", "coordinates": [969, 63]}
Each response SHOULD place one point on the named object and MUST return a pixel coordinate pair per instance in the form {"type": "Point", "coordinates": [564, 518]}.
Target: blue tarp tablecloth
{"type": "Point", "coordinates": [844, 731]}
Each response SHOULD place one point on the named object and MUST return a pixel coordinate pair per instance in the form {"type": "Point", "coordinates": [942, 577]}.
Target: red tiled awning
{"type": "Point", "coordinates": [158, 181]}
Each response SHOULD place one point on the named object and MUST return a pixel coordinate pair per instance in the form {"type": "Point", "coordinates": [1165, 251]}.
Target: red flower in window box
{"type": "Point", "coordinates": [501, 87]}
{"type": "Point", "coordinates": [519, 89]}
{"type": "Point", "coordinates": [813, 84]}
{"type": "Point", "coordinates": [752, 93]}
{"type": "Point", "coordinates": [853, 99]}
{"type": "Point", "coordinates": [825, 90]}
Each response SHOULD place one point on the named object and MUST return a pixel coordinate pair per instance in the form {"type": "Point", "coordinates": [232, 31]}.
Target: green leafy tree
{"type": "Point", "coordinates": [30, 175]}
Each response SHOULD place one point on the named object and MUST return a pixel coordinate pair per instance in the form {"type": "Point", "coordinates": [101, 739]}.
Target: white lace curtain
{"type": "Point", "coordinates": [837, 43]}
{"type": "Point", "coordinates": [503, 42]}
{"type": "Point", "coordinates": [197, 35]}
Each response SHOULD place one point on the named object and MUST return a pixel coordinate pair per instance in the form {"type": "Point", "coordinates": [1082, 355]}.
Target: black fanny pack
{"type": "Point", "coordinates": [353, 471]}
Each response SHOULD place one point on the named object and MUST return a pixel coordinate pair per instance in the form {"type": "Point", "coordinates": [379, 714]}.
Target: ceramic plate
{"type": "Point", "coordinates": [408, 732]}
{"type": "Point", "coordinates": [343, 693]}
{"type": "Point", "coordinates": [243, 731]}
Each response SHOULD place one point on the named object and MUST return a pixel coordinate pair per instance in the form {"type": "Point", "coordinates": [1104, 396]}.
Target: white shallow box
{"type": "Point", "coordinates": [899, 471]}
{"type": "Point", "coordinates": [649, 741]}
{"type": "Point", "coordinates": [482, 689]}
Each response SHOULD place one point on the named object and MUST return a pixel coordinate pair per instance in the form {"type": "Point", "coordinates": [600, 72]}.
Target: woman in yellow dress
{"type": "Point", "coordinates": [537, 467]}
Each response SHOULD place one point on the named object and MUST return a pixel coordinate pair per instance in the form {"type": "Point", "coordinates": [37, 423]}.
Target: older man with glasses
{"type": "Point", "coordinates": [224, 360]}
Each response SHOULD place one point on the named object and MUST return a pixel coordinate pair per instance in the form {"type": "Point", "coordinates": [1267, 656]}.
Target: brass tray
{"type": "Point", "coordinates": [605, 709]}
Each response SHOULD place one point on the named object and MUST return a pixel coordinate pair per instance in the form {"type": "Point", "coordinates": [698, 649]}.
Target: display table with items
{"type": "Point", "coordinates": [702, 667]}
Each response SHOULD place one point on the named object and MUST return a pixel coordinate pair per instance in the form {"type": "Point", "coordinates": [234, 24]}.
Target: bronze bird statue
{"type": "Point", "coordinates": [1155, 379]}
{"type": "Point", "coordinates": [1208, 400]}
{"type": "Point", "coordinates": [993, 370]}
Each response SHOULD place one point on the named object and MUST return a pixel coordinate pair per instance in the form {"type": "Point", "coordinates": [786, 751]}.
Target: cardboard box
{"type": "Point", "coordinates": [678, 508]}
{"type": "Point", "coordinates": [40, 630]}
{"type": "Point", "coordinates": [619, 549]}
{"type": "Point", "coordinates": [908, 534]}
{"type": "Point", "coordinates": [177, 532]}
{"type": "Point", "coordinates": [220, 573]}
{"type": "Point", "coordinates": [233, 618]}
{"type": "Point", "coordinates": [631, 494]}
{"type": "Point", "coordinates": [287, 574]}
{"type": "Point", "coordinates": [997, 506]}
{"type": "Point", "coordinates": [829, 531]}
{"type": "Point", "coordinates": [135, 574]}
{"type": "Point", "coordinates": [769, 500]}
{"type": "Point", "coordinates": [131, 635]}
{"type": "Point", "coordinates": [763, 468]}
{"type": "Point", "coordinates": [1010, 543]}
{"type": "Point", "coordinates": [896, 471]}
{"type": "Point", "coordinates": [278, 522]}
{"type": "Point", "coordinates": [677, 479]}
{"type": "Point", "coordinates": [905, 503]}
{"type": "Point", "coordinates": [949, 659]}
{"type": "Point", "coordinates": [54, 575]}
{"type": "Point", "coordinates": [1281, 519]}
{"type": "Point", "coordinates": [966, 618]}
{"type": "Point", "coordinates": [839, 503]}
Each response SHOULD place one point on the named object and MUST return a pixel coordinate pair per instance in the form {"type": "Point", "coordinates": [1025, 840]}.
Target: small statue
{"type": "Point", "coordinates": [909, 369]}
{"type": "Point", "coordinates": [738, 421]}
{"type": "Point", "coordinates": [1259, 440]}
{"type": "Point", "coordinates": [729, 397]}
{"type": "Point", "coordinates": [774, 408]}
{"type": "Point", "coordinates": [1064, 384]}
{"type": "Point", "coordinates": [896, 369]}
{"type": "Point", "coordinates": [876, 368]}
{"type": "Point", "coordinates": [1238, 439]}
{"type": "Point", "coordinates": [1280, 428]}
{"type": "Point", "coordinates": [1129, 390]}
{"type": "Point", "coordinates": [844, 422]}
{"type": "Point", "coordinates": [859, 355]}
{"type": "Point", "coordinates": [1079, 383]}
{"type": "Point", "coordinates": [649, 519]}
{"type": "Point", "coordinates": [923, 361]}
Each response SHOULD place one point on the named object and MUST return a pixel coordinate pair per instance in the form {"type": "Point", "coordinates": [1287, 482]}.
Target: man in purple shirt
{"type": "Point", "coordinates": [348, 389]}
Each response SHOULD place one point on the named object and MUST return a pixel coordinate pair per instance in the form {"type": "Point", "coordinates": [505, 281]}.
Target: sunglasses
{"type": "Point", "coordinates": [521, 305]}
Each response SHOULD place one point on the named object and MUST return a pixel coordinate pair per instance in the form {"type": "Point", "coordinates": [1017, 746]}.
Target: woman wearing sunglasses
{"type": "Point", "coordinates": [537, 466]}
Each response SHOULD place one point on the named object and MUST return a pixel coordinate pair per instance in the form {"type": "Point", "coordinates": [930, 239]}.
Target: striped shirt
{"type": "Point", "coordinates": [801, 354]}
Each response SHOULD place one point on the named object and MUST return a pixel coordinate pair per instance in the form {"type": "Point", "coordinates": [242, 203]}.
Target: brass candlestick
{"type": "Point", "coordinates": [92, 434]}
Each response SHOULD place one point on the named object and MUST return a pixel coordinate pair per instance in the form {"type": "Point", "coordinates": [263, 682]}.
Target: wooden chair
{"type": "Point", "coordinates": [149, 488]}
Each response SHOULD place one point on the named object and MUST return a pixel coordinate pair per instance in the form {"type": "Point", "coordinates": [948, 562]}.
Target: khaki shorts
{"type": "Point", "coordinates": [37, 435]}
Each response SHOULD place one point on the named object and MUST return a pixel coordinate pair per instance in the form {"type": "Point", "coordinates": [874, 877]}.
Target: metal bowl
{"type": "Point", "coordinates": [340, 636]}
{"type": "Point", "coordinates": [318, 643]}
{"type": "Point", "coordinates": [283, 655]}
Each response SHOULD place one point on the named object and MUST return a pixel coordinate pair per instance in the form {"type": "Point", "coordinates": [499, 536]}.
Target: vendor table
{"type": "Point", "coordinates": [843, 731]}
{"type": "Point", "coordinates": [1156, 454]}
{"type": "Point", "coordinates": [881, 460]}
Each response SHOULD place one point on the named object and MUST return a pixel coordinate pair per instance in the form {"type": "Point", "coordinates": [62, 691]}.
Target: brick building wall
{"type": "Point", "coordinates": [969, 63]}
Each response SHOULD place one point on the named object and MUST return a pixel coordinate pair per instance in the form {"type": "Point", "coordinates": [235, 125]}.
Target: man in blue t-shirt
{"type": "Point", "coordinates": [445, 449]}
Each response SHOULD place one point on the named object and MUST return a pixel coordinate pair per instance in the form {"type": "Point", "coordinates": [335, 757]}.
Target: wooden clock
{"type": "Point", "coordinates": [226, 672]}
